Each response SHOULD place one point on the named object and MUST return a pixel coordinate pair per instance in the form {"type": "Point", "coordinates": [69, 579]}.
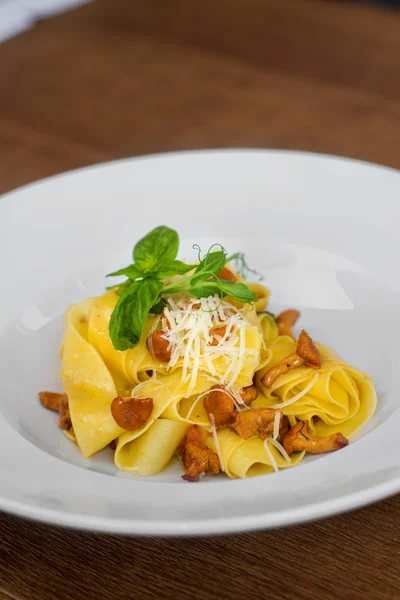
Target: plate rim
{"type": "Point", "coordinates": [219, 526]}
{"type": "Point", "coordinates": [220, 150]}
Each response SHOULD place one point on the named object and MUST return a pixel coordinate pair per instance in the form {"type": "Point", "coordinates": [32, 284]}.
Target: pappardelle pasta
{"type": "Point", "coordinates": [183, 361]}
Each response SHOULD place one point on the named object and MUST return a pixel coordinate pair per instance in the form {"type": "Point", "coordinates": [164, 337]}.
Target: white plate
{"type": "Point", "coordinates": [325, 233]}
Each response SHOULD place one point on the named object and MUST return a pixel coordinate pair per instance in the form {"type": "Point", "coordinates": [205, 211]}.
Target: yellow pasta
{"type": "Point", "coordinates": [340, 397]}
{"type": "Point", "coordinates": [88, 384]}
{"type": "Point", "coordinates": [131, 365]}
{"type": "Point", "coordinates": [247, 458]}
{"type": "Point", "coordinates": [150, 452]}
{"type": "Point", "coordinates": [193, 365]}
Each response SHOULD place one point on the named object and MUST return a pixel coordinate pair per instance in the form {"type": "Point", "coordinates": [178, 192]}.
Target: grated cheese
{"type": "Point", "coordinates": [276, 423]}
{"type": "Point", "coordinates": [269, 454]}
{"type": "Point", "coordinates": [138, 387]}
{"type": "Point", "coordinates": [216, 441]}
{"type": "Point", "coordinates": [188, 334]}
{"type": "Point", "coordinates": [281, 449]}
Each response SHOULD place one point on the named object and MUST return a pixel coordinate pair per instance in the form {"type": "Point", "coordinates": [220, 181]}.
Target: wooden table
{"type": "Point", "coordinates": [119, 78]}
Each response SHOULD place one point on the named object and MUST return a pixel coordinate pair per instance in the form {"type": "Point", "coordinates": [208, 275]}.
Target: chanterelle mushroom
{"type": "Point", "coordinates": [306, 355]}
{"type": "Point", "coordinates": [286, 320]}
{"type": "Point", "coordinates": [298, 439]}
{"type": "Point", "coordinates": [51, 400]}
{"type": "Point", "coordinates": [158, 346]}
{"type": "Point", "coordinates": [59, 403]}
{"type": "Point", "coordinates": [131, 413]}
{"type": "Point", "coordinates": [219, 404]}
{"type": "Point", "coordinates": [249, 394]}
{"type": "Point", "coordinates": [199, 460]}
{"type": "Point", "coordinates": [255, 422]}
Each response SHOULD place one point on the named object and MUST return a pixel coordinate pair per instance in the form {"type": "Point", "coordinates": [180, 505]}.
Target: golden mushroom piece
{"type": "Point", "coordinates": [298, 439]}
{"type": "Point", "coordinates": [306, 355]}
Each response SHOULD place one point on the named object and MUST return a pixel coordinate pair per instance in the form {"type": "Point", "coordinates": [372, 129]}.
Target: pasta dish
{"type": "Point", "coordinates": [184, 362]}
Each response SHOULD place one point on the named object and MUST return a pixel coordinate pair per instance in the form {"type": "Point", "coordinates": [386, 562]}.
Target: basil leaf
{"type": "Point", "coordinates": [119, 290]}
{"type": "Point", "coordinates": [147, 296]}
{"type": "Point", "coordinates": [212, 264]}
{"type": "Point", "coordinates": [205, 289]}
{"type": "Point", "coordinates": [239, 291]}
{"type": "Point", "coordinates": [157, 308]}
{"type": "Point", "coordinates": [131, 271]}
{"type": "Point", "coordinates": [176, 267]}
{"type": "Point", "coordinates": [131, 311]}
{"type": "Point", "coordinates": [120, 326]}
{"type": "Point", "coordinates": [158, 247]}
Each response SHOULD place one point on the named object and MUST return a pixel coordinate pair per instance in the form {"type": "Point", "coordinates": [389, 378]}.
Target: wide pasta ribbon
{"type": "Point", "coordinates": [132, 365]}
{"type": "Point", "coordinates": [88, 383]}
{"type": "Point", "coordinates": [335, 398]}
{"type": "Point", "coordinates": [248, 458]}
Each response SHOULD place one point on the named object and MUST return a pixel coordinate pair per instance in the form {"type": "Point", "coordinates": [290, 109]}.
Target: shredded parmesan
{"type": "Point", "coordinates": [138, 387]}
{"type": "Point", "coordinates": [275, 443]}
{"type": "Point", "coordinates": [189, 322]}
{"type": "Point", "coordinates": [216, 441]}
{"type": "Point", "coordinates": [277, 420]}
{"type": "Point", "coordinates": [269, 454]}
{"type": "Point", "coordinates": [281, 449]}
{"type": "Point", "coordinates": [298, 396]}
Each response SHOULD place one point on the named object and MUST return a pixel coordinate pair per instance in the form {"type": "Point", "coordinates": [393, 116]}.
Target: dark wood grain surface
{"type": "Point", "coordinates": [122, 77]}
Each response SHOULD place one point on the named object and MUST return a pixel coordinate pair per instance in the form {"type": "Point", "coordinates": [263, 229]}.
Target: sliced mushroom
{"type": "Point", "coordinates": [308, 351]}
{"type": "Point", "coordinates": [131, 413]}
{"type": "Point", "coordinates": [193, 434]}
{"type": "Point", "coordinates": [286, 320]}
{"type": "Point", "coordinates": [199, 460]}
{"type": "Point", "coordinates": [158, 346]}
{"type": "Point", "coordinates": [298, 439]}
{"type": "Point", "coordinates": [51, 400]}
{"type": "Point", "coordinates": [255, 422]}
{"type": "Point", "coordinates": [283, 366]}
{"type": "Point", "coordinates": [306, 354]}
{"type": "Point", "coordinates": [249, 394]}
{"type": "Point", "coordinates": [220, 405]}
{"type": "Point", "coordinates": [58, 403]}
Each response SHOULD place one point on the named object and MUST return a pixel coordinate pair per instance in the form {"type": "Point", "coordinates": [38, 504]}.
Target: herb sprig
{"type": "Point", "coordinates": [155, 260]}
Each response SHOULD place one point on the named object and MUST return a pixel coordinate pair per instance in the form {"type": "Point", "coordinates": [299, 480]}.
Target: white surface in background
{"type": "Point", "coordinates": [18, 15]}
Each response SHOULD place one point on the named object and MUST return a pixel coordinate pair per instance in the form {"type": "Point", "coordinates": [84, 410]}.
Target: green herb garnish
{"type": "Point", "coordinates": [155, 260]}
{"type": "Point", "coordinates": [241, 266]}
